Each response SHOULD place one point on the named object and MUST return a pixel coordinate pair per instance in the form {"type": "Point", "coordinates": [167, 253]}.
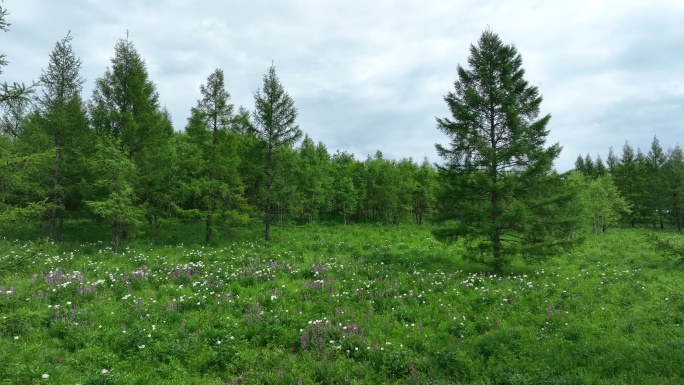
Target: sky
{"type": "Point", "coordinates": [372, 75]}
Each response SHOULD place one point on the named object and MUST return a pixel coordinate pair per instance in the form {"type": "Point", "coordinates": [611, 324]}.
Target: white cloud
{"type": "Point", "coordinates": [371, 75]}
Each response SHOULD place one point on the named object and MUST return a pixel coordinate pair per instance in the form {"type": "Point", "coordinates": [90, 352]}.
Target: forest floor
{"type": "Point", "coordinates": [359, 304]}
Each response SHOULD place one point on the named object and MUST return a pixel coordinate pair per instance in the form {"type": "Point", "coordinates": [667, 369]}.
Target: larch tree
{"type": "Point", "coordinates": [216, 181]}
{"type": "Point", "coordinates": [579, 164]}
{"type": "Point", "coordinates": [313, 179]}
{"type": "Point", "coordinates": [125, 102]}
{"type": "Point", "coordinates": [600, 167]}
{"type": "Point", "coordinates": [125, 106]}
{"type": "Point", "coordinates": [63, 119]}
{"type": "Point", "coordinates": [612, 163]}
{"type": "Point", "coordinates": [656, 190]}
{"type": "Point", "coordinates": [275, 125]}
{"type": "Point", "coordinates": [502, 194]}
{"type": "Point", "coordinates": [627, 176]}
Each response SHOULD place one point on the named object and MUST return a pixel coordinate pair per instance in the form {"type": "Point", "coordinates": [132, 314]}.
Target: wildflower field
{"type": "Point", "coordinates": [358, 304]}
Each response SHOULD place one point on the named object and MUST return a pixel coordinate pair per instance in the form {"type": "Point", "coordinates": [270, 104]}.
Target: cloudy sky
{"type": "Point", "coordinates": [371, 75]}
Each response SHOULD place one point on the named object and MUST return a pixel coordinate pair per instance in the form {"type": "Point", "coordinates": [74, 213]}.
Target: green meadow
{"type": "Point", "coordinates": [357, 304]}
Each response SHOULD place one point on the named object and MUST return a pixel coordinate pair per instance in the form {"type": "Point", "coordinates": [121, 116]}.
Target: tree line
{"type": "Point", "coordinates": [116, 157]}
{"type": "Point", "coordinates": [650, 183]}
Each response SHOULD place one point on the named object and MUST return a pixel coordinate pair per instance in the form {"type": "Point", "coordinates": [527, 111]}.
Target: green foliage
{"type": "Point", "coordinates": [313, 179]}
{"type": "Point", "coordinates": [651, 184]}
{"type": "Point", "coordinates": [10, 93]}
{"type": "Point", "coordinates": [115, 199]}
{"type": "Point", "coordinates": [61, 119]}
{"type": "Point", "coordinates": [211, 159]}
{"type": "Point", "coordinates": [600, 202]}
{"type": "Point", "coordinates": [671, 246]}
{"type": "Point", "coordinates": [334, 304]}
{"type": "Point", "coordinates": [21, 197]}
{"type": "Point", "coordinates": [497, 178]}
{"type": "Point", "coordinates": [347, 197]}
{"type": "Point", "coordinates": [125, 106]}
{"type": "Point", "coordinates": [274, 125]}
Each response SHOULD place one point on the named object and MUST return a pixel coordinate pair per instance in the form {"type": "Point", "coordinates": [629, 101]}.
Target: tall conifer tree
{"type": "Point", "coordinates": [125, 106]}
{"type": "Point", "coordinates": [498, 172]}
{"type": "Point", "coordinates": [275, 118]}
{"type": "Point", "coordinates": [63, 119]}
{"type": "Point", "coordinates": [216, 180]}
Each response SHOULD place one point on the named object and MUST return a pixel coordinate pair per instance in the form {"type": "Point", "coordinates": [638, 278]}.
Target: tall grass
{"type": "Point", "coordinates": [333, 304]}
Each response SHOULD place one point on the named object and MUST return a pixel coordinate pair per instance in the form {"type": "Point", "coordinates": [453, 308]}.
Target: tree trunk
{"type": "Point", "coordinates": [269, 188]}
{"type": "Point", "coordinates": [496, 235]}
{"type": "Point", "coordinates": [495, 199]}
{"type": "Point", "coordinates": [117, 230]}
{"type": "Point", "coordinates": [207, 236]}
{"type": "Point", "coordinates": [59, 228]}
{"type": "Point", "coordinates": [214, 142]}
{"type": "Point", "coordinates": [55, 195]}
{"type": "Point", "coordinates": [267, 221]}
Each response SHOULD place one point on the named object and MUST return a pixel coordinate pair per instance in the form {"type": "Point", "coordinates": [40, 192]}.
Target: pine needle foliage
{"type": "Point", "coordinates": [498, 187]}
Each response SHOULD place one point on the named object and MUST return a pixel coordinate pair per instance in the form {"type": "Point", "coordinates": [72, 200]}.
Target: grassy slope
{"type": "Point", "coordinates": [355, 304]}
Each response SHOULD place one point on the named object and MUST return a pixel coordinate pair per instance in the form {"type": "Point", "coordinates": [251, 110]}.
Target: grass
{"type": "Point", "coordinates": [336, 305]}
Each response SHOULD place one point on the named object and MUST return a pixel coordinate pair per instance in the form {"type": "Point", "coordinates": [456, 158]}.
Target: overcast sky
{"type": "Point", "coordinates": [371, 75]}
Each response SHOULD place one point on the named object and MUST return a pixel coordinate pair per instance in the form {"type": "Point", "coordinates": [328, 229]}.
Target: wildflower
{"type": "Point", "coordinates": [104, 371]}
{"type": "Point", "coordinates": [45, 376]}
{"type": "Point", "coordinates": [16, 338]}
{"type": "Point", "coordinates": [141, 346]}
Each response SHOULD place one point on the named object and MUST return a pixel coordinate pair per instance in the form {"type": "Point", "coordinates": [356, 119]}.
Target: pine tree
{"type": "Point", "coordinates": [502, 191]}
{"type": "Point", "coordinates": [274, 123]}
